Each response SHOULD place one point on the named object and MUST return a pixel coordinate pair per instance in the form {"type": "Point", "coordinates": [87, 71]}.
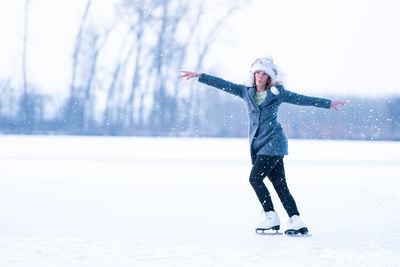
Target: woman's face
{"type": "Point", "coordinates": [261, 78]}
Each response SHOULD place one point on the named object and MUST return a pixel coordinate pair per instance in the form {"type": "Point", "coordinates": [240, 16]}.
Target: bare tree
{"type": "Point", "coordinates": [24, 78]}
{"type": "Point", "coordinates": [96, 45]}
{"type": "Point", "coordinates": [30, 103]}
{"type": "Point", "coordinates": [25, 104]}
{"type": "Point", "coordinates": [74, 108]}
{"type": "Point", "coordinates": [110, 113]}
{"type": "Point", "coordinates": [143, 16]}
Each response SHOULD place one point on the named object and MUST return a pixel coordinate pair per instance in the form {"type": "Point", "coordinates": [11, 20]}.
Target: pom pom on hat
{"type": "Point", "coordinates": [265, 64]}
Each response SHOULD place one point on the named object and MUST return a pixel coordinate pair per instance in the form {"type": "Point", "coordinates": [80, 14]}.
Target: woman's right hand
{"type": "Point", "coordinates": [189, 74]}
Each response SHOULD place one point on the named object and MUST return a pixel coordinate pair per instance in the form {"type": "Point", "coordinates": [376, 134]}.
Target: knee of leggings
{"type": "Point", "coordinates": [254, 181]}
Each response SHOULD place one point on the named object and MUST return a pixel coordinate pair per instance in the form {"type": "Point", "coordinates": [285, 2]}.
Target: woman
{"type": "Point", "coordinates": [268, 142]}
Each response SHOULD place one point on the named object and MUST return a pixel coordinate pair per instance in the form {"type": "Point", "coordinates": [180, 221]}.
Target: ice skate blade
{"type": "Point", "coordinates": [295, 233]}
{"type": "Point", "coordinates": [261, 231]}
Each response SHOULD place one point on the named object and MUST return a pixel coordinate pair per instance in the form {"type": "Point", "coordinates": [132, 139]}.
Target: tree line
{"type": "Point", "coordinates": [131, 86]}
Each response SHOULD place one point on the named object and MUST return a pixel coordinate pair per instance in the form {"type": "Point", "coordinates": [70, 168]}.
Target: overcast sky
{"type": "Point", "coordinates": [330, 47]}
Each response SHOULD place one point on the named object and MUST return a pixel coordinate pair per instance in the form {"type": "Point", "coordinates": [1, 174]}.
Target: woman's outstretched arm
{"type": "Point", "coordinates": [298, 99]}
{"type": "Point", "coordinates": [226, 86]}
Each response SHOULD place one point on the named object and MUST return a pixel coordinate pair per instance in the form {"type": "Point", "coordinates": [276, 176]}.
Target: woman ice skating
{"type": "Point", "coordinates": [268, 142]}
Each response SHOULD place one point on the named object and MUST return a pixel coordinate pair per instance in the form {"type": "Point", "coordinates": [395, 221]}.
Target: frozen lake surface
{"type": "Point", "coordinates": [123, 201]}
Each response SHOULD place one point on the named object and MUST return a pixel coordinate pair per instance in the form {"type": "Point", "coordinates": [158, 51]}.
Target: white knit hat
{"type": "Point", "coordinates": [265, 64]}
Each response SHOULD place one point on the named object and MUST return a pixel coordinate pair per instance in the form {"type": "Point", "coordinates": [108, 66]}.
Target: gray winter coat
{"type": "Point", "coordinates": [266, 134]}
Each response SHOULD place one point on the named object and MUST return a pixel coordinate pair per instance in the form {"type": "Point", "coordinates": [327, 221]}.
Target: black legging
{"type": "Point", "coordinates": [272, 166]}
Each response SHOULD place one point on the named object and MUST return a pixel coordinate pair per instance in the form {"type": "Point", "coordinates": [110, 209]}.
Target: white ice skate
{"type": "Point", "coordinates": [270, 222]}
{"type": "Point", "coordinates": [296, 226]}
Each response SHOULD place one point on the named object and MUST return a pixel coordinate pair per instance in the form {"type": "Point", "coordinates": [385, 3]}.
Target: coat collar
{"type": "Point", "coordinates": [267, 100]}
{"type": "Point", "coordinates": [252, 95]}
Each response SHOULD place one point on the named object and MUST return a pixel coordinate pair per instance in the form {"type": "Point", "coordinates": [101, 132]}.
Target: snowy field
{"type": "Point", "coordinates": [109, 201]}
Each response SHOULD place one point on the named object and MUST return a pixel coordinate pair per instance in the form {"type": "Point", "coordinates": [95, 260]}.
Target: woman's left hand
{"type": "Point", "coordinates": [336, 103]}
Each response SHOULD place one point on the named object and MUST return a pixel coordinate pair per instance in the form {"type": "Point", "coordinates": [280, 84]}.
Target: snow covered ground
{"type": "Point", "coordinates": [119, 201]}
